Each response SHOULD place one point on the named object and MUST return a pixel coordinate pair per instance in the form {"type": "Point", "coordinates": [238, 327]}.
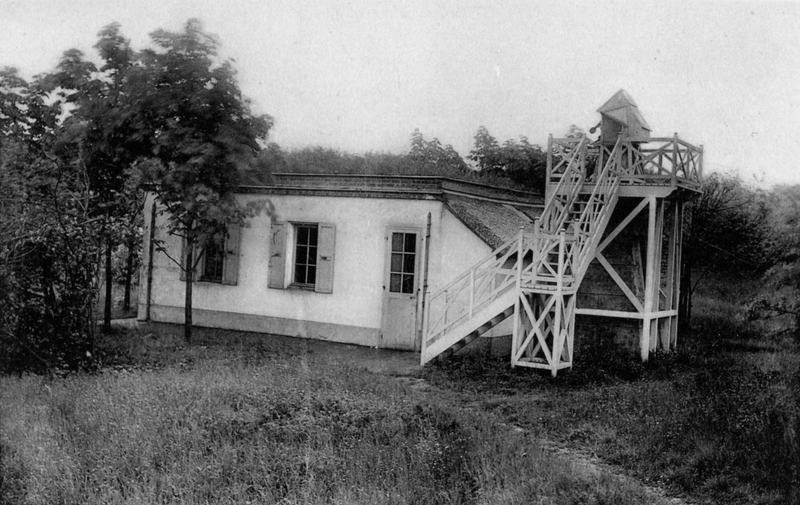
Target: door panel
{"type": "Point", "coordinates": [401, 283]}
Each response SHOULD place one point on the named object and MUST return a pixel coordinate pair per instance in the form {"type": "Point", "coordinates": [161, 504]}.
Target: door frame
{"type": "Point", "coordinates": [418, 265]}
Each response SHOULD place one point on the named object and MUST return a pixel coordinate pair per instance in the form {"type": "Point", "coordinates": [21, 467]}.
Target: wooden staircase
{"type": "Point", "coordinates": [535, 276]}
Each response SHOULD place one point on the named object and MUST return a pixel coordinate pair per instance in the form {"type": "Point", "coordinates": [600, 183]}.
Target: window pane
{"type": "Point", "coordinates": [408, 263]}
{"type": "Point", "coordinates": [408, 283]}
{"type": "Point", "coordinates": [311, 278]}
{"type": "Point", "coordinates": [411, 242]}
{"type": "Point", "coordinates": [397, 242]}
{"type": "Point", "coordinates": [311, 258]}
{"type": "Point", "coordinates": [397, 262]}
{"type": "Point", "coordinates": [302, 254]}
{"type": "Point", "coordinates": [300, 274]}
{"type": "Point", "coordinates": [394, 283]}
{"type": "Point", "coordinates": [302, 235]}
{"type": "Point", "coordinates": [312, 238]}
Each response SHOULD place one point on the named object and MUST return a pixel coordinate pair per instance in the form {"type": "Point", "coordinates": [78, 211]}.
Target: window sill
{"type": "Point", "coordinates": [302, 287]}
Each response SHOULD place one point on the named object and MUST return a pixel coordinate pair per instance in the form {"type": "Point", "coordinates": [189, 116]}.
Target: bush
{"type": "Point", "coordinates": [48, 288]}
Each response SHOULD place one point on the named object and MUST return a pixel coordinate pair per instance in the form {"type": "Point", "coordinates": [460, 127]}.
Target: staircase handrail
{"type": "Point", "coordinates": [606, 186]}
{"type": "Point", "coordinates": [471, 279]}
{"type": "Point", "coordinates": [568, 187]}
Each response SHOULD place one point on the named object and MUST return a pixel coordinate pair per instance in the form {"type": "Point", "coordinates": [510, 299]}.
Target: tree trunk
{"type": "Point", "coordinates": [126, 304]}
{"type": "Point", "coordinates": [109, 283]}
{"type": "Point", "coordinates": [189, 265]}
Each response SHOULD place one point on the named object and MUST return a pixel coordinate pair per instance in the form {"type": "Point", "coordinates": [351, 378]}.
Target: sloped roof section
{"type": "Point", "coordinates": [620, 99]}
{"type": "Point", "coordinates": [495, 223]}
{"type": "Point", "coordinates": [622, 108]}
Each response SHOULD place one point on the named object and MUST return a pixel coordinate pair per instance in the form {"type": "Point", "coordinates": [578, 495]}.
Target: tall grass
{"type": "Point", "coordinates": [280, 430]}
{"type": "Point", "coordinates": [720, 419]}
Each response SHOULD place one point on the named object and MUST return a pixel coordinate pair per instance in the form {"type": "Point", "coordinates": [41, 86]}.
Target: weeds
{"type": "Point", "coordinates": [718, 419]}
{"type": "Point", "coordinates": [268, 426]}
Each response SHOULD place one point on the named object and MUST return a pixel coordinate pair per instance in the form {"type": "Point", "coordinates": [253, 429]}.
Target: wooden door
{"type": "Point", "coordinates": [400, 288]}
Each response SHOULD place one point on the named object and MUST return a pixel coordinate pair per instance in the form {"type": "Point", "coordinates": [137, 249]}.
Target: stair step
{"type": "Point", "coordinates": [471, 337]}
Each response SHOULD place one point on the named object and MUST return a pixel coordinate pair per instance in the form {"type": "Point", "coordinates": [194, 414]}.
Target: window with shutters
{"type": "Point", "coordinates": [219, 262]}
{"type": "Point", "coordinates": [301, 256]}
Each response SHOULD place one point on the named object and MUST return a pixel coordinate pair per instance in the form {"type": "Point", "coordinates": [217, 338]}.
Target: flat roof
{"type": "Point", "coordinates": [390, 186]}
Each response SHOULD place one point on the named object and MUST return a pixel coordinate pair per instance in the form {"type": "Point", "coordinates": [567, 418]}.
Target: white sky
{"type": "Point", "coordinates": [361, 75]}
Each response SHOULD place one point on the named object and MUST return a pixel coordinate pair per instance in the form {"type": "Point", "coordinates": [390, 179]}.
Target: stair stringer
{"type": "Point", "coordinates": [497, 306]}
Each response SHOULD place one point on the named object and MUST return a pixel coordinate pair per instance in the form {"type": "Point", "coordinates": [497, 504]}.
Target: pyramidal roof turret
{"type": "Point", "coordinates": [622, 109]}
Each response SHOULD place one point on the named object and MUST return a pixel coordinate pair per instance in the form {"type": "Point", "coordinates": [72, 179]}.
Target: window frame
{"type": "Point", "coordinates": [283, 251]}
{"type": "Point", "coordinates": [230, 251]}
{"type": "Point", "coordinates": [293, 255]}
{"type": "Point", "coordinates": [222, 256]}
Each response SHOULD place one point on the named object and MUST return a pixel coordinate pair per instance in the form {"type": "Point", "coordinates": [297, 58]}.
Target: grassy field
{"type": "Point", "coordinates": [264, 420]}
{"type": "Point", "coordinates": [718, 421]}
{"type": "Point", "coordinates": [242, 418]}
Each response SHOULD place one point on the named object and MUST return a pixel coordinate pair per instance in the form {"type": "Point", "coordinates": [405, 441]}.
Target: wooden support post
{"type": "Point", "coordinates": [558, 335]}
{"type": "Point", "coordinates": [644, 341]}
{"type": "Point", "coordinates": [675, 159]}
{"type": "Point", "coordinates": [665, 332]}
{"type": "Point", "coordinates": [515, 336]}
{"type": "Point", "coordinates": [700, 165]}
{"type": "Point", "coordinates": [658, 241]}
{"type": "Point", "coordinates": [679, 209]}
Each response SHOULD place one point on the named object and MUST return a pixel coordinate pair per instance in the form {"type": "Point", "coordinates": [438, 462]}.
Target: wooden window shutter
{"type": "Point", "coordinates": [325, 250]}
{"type": "Point", "coordinates": [277, 256]}
{"type": "Point", "coordinates": [230, 267]}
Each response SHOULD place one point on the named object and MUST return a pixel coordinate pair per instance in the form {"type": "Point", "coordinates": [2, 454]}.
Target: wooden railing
{"type": "Point", "coordinates": [552, 258]}
{"type": "Point", "coordinates": [661, 160]}
{"type": "Point", "coordinates": [467, 294]}
{"type": "Point", "coordinates": [600, 204]}
{"type": "Point", "coordinates": [561, 198]}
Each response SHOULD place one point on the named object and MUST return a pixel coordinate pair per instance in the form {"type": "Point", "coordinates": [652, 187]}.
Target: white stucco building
{"type": "Point", "coordinates": [345, 258]}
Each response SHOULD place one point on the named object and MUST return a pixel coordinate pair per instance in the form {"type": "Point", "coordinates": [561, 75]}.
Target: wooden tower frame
{"type": "Point", "coordinates": [536, 278]}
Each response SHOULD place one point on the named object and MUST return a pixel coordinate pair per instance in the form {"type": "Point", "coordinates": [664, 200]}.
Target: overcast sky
{"type": "Point", "coordinates": [362, 75]}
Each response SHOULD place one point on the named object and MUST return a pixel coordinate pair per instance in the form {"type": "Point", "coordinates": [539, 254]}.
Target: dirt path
{"type": "Point", "coordinates": [405, 368]}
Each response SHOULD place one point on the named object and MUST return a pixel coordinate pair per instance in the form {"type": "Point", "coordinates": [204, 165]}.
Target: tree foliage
{"type": "Point", "coordinates": [200, 132]}
{"type": "Point", "coordinates": [432, 156]}
{"type": "Point", "coordinates": [726, 230]}
{"type": "Point", "coordinates": [74, 146]}
{"type": "Point", "coordinates": [779, 300]}
{"type": "Point", "coordinates": [47, 264]}
{"type": "Point", "coordinates": [520, 161]}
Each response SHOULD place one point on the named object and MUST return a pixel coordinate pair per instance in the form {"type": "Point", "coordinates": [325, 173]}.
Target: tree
{"type": "Point", "coordinates": [47, 265]}
{"type": "Point", "coordinates": [432, 156]}
{"type": "Point", "coordinates": [200, 132]}
{"type": "Point", "coordinates": [522, 162]}
{"type": "Point", "coordinates": [726, 229]}
{"type": "Point", "coordinates": [487, 153]}
{"type": "Point", "coordinates": [779, 299]}
{"type": "Point", "coordinates": [525, 163]}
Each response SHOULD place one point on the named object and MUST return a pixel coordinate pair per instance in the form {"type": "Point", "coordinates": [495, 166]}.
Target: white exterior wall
{"type": "Point", "coordinates": [353, 312]}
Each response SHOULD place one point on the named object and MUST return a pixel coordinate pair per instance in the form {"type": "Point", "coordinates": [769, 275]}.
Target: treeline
{"type": "Point", "coordinates": [738, 227]}
{"type": "Point", "coordinates": [515, 164]}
